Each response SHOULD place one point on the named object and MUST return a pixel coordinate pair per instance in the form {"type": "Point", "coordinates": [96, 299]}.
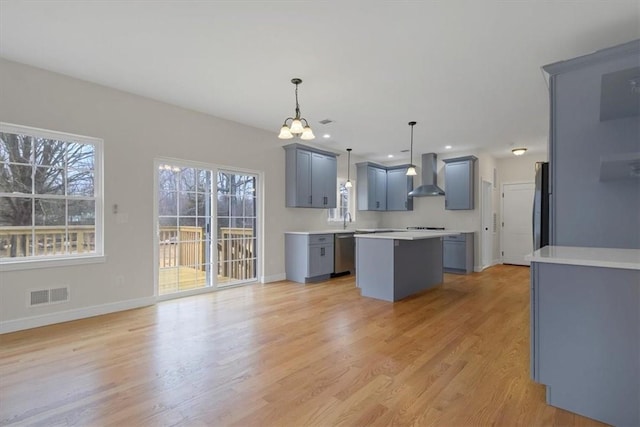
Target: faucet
{"type": "Point", "coordinates": [344, 219]}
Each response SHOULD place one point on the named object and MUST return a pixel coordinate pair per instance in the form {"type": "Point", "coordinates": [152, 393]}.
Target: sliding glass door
{"type": "Point", "coordinates": [206, 236]}
{"type": "Point", "coordinates": [236, 227]}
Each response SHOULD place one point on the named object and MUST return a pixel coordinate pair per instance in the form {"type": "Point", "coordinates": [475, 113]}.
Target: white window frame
{"type": "Point", "coordinates": [30, 262]}
{"type": "Point", "coordinates": [333, 214]}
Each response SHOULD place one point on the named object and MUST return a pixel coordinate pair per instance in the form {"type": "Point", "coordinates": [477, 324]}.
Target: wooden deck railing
{"type": "Point", "coordinates": [185, 246]}
{"type": "Point", "coordinates": [18, 241]}
{"type": "Point", "coordinates": [236, 245]}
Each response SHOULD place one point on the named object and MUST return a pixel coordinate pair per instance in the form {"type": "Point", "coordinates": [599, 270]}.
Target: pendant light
{"type": "Point", "coordinates": [348, 184]}
{"type": "Point", "coordinates": [411, 170]}
{"type": "Point", "coordinates": [296, 128]}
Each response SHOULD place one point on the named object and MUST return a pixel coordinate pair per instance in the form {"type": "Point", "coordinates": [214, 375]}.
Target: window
{"type": "Point", "coordinates": [50, 195]}
{"type": "Point", "coordinates": [344, 204]}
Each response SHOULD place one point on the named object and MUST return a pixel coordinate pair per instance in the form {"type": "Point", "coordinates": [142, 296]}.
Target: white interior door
{"type": "Point", "coordinates": [517, 209]}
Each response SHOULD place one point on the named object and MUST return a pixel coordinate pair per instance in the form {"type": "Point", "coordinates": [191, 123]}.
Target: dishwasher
{"type": "Point", "coordinates": [344, 250]}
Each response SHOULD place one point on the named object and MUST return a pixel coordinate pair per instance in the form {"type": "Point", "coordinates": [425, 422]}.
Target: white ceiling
{"type": "Point", "coordinates": [467, 71]}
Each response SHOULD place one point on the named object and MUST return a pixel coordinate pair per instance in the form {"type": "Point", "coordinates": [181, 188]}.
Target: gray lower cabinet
{"type": "Point", "coordinates": [382, 188]}
{"type": "Point", "coordinates": [458, 253]}
{"type": "Point", "coordinates": [585, 339]}
{"type": "Point", "coordinates": [459, 180]}
{"type": "Point", "coordinates": [311, 177]}
{"type": "Point", "coordinates": [308, 257]}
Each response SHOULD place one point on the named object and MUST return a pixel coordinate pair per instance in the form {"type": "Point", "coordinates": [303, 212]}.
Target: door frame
{"type": "Point", "coordinates": [486, 220]}
{"type": "Point", "coordinates": [502, 212]}
{"type": "Point", "coordinates": [215, 168]}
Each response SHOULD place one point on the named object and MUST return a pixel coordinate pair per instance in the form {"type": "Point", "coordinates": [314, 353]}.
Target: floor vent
{"type": "Point", "coordinates": [48, 296]}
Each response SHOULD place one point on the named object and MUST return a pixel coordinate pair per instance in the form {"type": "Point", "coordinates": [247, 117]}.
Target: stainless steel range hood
{"type": "Point", "coordinates": [429, 185]}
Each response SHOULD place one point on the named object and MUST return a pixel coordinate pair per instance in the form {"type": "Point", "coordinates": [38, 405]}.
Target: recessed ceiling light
{"type": "Point", "coordinates": [326, 135]}
{"type": "Point", "coordinates": [448, 147]}
{"type": "Point", "coordinates": [390, 156]}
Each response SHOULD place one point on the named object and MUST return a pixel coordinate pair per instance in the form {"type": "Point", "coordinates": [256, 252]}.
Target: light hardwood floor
{"type": "Point", "coordinates": [286, 354]}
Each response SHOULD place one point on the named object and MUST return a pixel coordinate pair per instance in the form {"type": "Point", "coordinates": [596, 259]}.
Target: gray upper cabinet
{"type": "Point", "coordinates": [459, 183]}
{"type": "Point", "coordinates": [311, 177]}
{"type": "Point", "coordinates": [398, 187]}
{"type": "Point", "coordinates": [382, 188]}
{"type": "Point", "coordinates": [371, 181]}
{"type": "Point", "coordinates": [324, 174]}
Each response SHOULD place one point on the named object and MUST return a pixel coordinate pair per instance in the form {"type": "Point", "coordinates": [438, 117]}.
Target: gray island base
{"type": "Point", "coordinates": [393, 266]}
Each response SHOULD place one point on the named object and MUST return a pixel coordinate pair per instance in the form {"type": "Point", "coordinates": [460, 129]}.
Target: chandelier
{"type": "Point", "coordinates": [288, 131]}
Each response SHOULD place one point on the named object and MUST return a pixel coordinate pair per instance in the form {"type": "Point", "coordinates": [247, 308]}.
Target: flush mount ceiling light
{"type": "Point", "coordinates": [411, 170]}
{"type": "Point", "coordinates": [519, 151]}
{"type": "Point", "coordinates": [348, 184]}
{"type": "Point", "coordinates": [296, 128]}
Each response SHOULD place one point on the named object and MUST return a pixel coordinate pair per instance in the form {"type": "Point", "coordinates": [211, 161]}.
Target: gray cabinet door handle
{"type": "Point", "coordinates": [310, 199]}
{"type": "Point", "coordinates": [321, 251]}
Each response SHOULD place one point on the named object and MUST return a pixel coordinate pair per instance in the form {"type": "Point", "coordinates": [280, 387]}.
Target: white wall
{"type": "Point", "coordinates": [135, 131]}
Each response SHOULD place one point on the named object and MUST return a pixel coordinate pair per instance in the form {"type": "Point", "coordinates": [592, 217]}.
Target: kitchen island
{"type": "Point", "coordinates": [395, 265]}
{"type": "Point", "coordinates": [585, 330]}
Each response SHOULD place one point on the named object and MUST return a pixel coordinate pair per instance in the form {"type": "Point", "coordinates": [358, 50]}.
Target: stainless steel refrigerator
{"type": "Point", "coordinates": [541, 206]}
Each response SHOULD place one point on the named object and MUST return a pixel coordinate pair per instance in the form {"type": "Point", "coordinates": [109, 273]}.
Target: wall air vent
{"type": "Point", "coordinates": [48, 296]}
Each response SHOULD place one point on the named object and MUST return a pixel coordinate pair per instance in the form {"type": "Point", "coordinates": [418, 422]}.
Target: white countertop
{"type": "Point", "coordinates": [336, 231]}
{"type": "Point", "coordinates": [594, 257]}
{"type": "Point", "coordinates": [407, 235]}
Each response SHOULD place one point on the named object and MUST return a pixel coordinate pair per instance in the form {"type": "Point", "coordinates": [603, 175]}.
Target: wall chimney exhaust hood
{"type": "Point", "coordinates": [429, 185]}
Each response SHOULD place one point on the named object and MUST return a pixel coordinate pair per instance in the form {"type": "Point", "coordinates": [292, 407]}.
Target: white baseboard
{"type": "Point", "coordinates": [273, 278]}
{"type": "Point", "coordinates": [75, 314]}
{"type": "Point", "coordinates": [479, 268]}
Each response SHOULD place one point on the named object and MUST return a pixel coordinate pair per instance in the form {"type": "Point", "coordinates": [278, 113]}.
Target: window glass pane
{"type": "Point", "coordinates": [204, 202]}
{"type": "Point", "coordinates": [15, 148]}
{"type": "Point", "coordinates": [48, 180]}
{"type": "Point", "coordinates": [82, 238]}
{"type": "Point", "coordinates": [249, 205]}
{"type": "Point", "coordinates": [167, 203]}
{"type": "Point", "coordinates": [81, 156]}
{"type": "Point", "coordinates": [15, 227]}
{"type": "Point", "coordinates": [80, 182]}
{"type": "Point", "coordinates": [187, 179]}
{"type": "Point", "coordinates": [50, 212]}
{"type": "Point", "coordinates": [187, 204]}
{"type": "Point", "coordinates": [223, 208]}
{"type": "Point", "coordinates": [167, 179]}
{"type": "Point", "coordinates": [50, 152]}
{"type": "Point", "coordinates": [236, 205]}
{"type": "Point", "coordinates": [204, 181]}
{"type": "Point", "coordinates": [81, 212]}
{"type": "Point", "coordinates": [16, 178]}
{"type": "Point", "coordinates": [168, 221]}
{"type": "Point", "coordinates": [15, 211]}
{"type": "Point", "coordinates": [187, 221]}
